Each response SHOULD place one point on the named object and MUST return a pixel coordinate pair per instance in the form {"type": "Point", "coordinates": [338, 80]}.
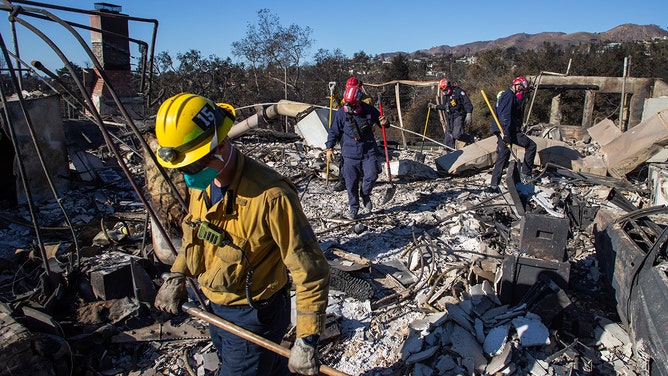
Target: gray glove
{"type": "Point", "coordinates": [467, 120]}
{"type": "Point", "coordinates": [172, 293]}
{"type": "Point", "coordinates": [304, 358]}
{"type": "Point", "coordinates": [431, 105]}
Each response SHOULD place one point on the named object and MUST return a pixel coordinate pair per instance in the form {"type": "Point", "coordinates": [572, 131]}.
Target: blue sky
{"type": "Point", "coordinates": [374, 27]}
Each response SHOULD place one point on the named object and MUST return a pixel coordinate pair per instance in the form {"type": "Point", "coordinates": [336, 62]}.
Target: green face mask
{"type": "Point", "coordinates": [202, 179]}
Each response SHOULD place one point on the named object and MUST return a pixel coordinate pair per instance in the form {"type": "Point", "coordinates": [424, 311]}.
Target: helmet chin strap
{"type": "Point", "coordinates": [214, 141]}
{"type": "Point", "coordinates": [225, 160]}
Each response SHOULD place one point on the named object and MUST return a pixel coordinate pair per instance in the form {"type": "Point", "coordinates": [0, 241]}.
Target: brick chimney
{"type": "Point", "coordinates": [113, 52]}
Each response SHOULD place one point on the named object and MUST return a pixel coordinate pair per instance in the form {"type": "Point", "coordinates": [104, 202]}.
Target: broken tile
{"type": "Point", "coordinates": [531, 331]}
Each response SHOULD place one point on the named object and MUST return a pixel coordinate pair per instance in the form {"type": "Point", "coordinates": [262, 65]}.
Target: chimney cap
{"type": "Point", "coordinates": [106, 7]}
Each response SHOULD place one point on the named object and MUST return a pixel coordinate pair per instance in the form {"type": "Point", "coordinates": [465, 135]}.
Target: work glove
{"type": "Point", "coordinates": [304, 358]}
{"type": "Point", "coordinates": [172, 293]}
{"type": "Point", "coordinates": [507, 139]}
{"type": "Point", "coordinates": [382, 120]}
{"type": "Point", "coordinates": [467, 120]}
{"type": "Point", "coordinates": [328, 155]}
{"type": "Point", "coordinates": [431, 105]}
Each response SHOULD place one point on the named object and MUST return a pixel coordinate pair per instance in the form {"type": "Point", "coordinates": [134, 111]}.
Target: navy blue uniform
{"type": "Point", "coordinates": [359, 151]}
{"type": "Point", "coordinates": [456, 105]}
{"type": "Point", "coordinates": [509, 113]}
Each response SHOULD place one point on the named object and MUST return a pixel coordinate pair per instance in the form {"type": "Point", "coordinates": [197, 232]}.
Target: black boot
{"type": "Point", "coordinates": [339, 186]}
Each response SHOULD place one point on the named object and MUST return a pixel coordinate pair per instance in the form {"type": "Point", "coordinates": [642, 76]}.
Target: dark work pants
{"type": "Point", "coordinates": [342, 179]}
{"type": "Point", "coordinates": [364, 171]}
{"type": "Point", "coordinates": [454, 130]}
{"type": "Point", "coordinates": [503, 155]}
{"type": "Point", "coordinates": [241, 357]}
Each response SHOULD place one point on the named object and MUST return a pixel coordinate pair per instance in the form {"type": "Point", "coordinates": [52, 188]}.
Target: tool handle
{"type": "Point", "coordinates": [498, 124]}
{"type": "Point", "coordinates": [387, 155]}
{"type": "Point", "coordinates": [380, 105]}
{"type": "Point", "coordinates": [496, 120]}
{"type": "Point", "coordinates": [195, 311]}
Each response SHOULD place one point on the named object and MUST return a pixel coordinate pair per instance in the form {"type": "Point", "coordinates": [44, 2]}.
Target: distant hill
{"type": "Point", "coordinates": [522, 41]}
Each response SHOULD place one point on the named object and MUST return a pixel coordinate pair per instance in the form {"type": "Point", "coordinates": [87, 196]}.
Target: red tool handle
{"type": "Point", "coordinates": [387, 156]}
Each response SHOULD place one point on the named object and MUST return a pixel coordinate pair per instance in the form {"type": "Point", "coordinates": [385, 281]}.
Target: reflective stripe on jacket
{"type": "Point", "coordinates": [264, 226]}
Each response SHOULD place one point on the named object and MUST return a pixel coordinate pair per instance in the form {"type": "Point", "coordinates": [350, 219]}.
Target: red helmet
{"type": "Point", "coordinates": [520, 80]}
{"type": "Point", "coordinates": [444, 83]}
{"type": "Point", "coordinates": [352, 95]}
{"type": "Point", "coordinates": [352, 81]}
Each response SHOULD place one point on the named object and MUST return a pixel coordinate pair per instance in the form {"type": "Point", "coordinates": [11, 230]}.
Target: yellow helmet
{"type": "Point", "coordinates": [188, 127]}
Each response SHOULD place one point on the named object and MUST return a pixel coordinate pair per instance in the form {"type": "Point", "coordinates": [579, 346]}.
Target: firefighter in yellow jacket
{"type": "Point", "coordinates": [245, 235]}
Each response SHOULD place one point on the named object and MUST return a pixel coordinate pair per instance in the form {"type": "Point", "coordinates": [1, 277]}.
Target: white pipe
{"type": "Point", "coordinates": [282, 108]}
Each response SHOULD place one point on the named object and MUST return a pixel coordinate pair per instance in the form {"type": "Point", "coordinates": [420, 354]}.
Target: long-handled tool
{"type": "Point", "coordinates": [419, 156]}
{"type": "Point", "coordinates": [424, 132]}
{"type": "Point", "coordinates": [390, 191]}
{"type": "Point", "coordinates": [332, 84]}
{"type": "Point", "coordinates": [247, 335]}
{"type": "Point", "coordinates": [498, 124]}
{"type": "Point", "coordinates": [387, 155]}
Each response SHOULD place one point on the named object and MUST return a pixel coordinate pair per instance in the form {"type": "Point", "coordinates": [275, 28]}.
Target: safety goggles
{"type": "Point", "coordinates": [197, 166]}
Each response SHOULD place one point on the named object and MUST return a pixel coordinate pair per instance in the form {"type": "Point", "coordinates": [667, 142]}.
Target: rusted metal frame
{"type": "Point", "coordinates": [105, 133]}
{"type": "Point", "coordinates": [38, 152]}
{"type": "Point", "coordinates": [112, 91]}
{"type": "Point", "coordinates": [143, 46]}
{"type": "Point", "coordinates": [139, 42]}
{"type": "Point", "coordinates": [16, 49]}
{"type": "Point", "coordinates": [38, 65]}
{"type": "Point", "coordinates": [130, 18]}
{"type": "Point", "coordinates": [21, 167]}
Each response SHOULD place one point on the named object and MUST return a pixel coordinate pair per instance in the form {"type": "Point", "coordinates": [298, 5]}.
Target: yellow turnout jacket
{"type": "Point", "coordinates": [265, 229]}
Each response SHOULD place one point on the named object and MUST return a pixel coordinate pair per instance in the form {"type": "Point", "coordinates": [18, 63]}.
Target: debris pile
{"type": "Point", "coordinates": [439, 278]}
